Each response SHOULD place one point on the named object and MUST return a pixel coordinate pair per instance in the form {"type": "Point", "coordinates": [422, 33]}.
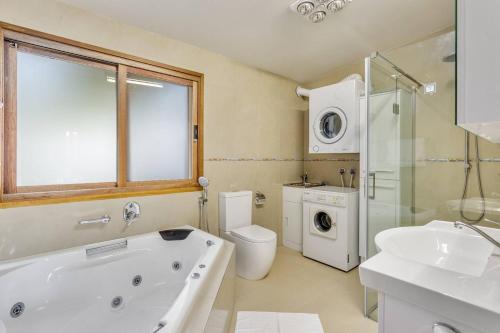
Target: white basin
{"type": "Point", "coordinates": [445, 248]}
{"type": "Point", "coordinates": [443, 273]}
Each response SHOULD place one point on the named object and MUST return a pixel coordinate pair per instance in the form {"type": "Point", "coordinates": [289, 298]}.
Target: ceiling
{"type": "Point", "coordinates": [266, 34]}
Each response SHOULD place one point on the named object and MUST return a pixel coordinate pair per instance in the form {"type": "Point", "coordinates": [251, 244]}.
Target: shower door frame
{"type": "Point", "coordinates": [364, 161]}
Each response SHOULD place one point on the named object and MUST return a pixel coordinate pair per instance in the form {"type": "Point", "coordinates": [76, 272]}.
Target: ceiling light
{"type": "Point", "coordinates": [335, 5]}
{"type": "Point", "coordinates": [138, 82]}
{"type": "Point", "coordinates": [318, 16]}
{"type": "Point", "coordinates": [317, 10]}
{"type": "Point", "coordinates": [305, 8]}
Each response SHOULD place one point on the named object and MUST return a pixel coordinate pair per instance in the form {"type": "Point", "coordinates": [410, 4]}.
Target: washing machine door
{"type": "Point", "coordinates": [323, 223]}
{"type": "Point", "coordinates": [330, 125]}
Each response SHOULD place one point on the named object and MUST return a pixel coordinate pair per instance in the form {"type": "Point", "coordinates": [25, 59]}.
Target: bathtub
{"type": "Point", "coordinates": [147, 283]}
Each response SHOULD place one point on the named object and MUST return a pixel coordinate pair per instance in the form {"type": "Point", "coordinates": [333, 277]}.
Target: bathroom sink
{"type": "Point", "coordinates": [446, 248]}
{"type": "Point", "coordinates": [452, 273]}
{"type": "Point", "coordinates": [302, 184]}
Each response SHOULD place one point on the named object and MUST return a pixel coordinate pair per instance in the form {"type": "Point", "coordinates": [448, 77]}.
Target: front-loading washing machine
{"type": "Point", "coordinates": [330, 226]}
{"type": "Point", "coordinates": [334, 117]}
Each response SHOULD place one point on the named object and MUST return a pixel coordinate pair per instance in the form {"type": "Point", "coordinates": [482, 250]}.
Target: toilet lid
{"type": "Point", "coordinates": [254, 233]}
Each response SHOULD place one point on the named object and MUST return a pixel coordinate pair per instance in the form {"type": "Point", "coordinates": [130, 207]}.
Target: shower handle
{"type": "Point", "coordinates": [372, 174]}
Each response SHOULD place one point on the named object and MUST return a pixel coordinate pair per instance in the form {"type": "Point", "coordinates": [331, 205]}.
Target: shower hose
{"type": "Point", "coordinates": [203, 222]}
{"type": "Point", "coordinates": [466, 183]}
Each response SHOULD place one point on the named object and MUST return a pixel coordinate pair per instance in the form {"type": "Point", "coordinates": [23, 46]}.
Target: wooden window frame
{"type": "Point", "coordinates": [44, 44]}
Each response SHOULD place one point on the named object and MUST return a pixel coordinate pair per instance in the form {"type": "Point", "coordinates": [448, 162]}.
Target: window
{"type": "Point", "coordinates": [82, 121]}
{"type": "Point", "coordinates": [65, 110]}
{"type": "Point", "coordinates": [159, 128]}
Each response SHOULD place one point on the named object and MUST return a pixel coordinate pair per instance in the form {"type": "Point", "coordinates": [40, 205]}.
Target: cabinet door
{"type": "Point", "coordinates": [292, 225]}
{"type": "Point", "coordinates": [396, 316]}
{"type": "Point", "coordinates": [478, 67]}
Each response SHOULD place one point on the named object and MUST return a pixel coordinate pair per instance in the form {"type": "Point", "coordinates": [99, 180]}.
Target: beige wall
{"type": "Point", "coordinates": [253, 135]}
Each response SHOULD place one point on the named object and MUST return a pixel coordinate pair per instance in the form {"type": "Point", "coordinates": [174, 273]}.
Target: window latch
{"type": "Point", "coordinates": [195, 132]}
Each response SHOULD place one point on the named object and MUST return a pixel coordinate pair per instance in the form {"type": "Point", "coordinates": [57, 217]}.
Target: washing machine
{"type": "Point", "coordinates": [334, 117]}
{"type": "Point", "coordinates": [330, 226]}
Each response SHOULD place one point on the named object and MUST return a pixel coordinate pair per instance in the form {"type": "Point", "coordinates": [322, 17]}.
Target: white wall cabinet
{"type": "Point", "coordinates": [292, 217]}
{"type": "Point", "coordinates": [478, 67]}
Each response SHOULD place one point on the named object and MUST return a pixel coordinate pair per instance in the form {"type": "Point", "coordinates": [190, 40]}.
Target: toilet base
{"type": "Point", "coordinates": [253, 260]}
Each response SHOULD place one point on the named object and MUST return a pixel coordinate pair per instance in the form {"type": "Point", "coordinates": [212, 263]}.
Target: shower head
{"type": "Point", "coordinates": [450, 58]}
{"type": "Point", "coordinates": [203, 181]}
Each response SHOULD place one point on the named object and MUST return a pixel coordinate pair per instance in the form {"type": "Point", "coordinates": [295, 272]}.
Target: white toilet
{"type": "Point", "coordinates": [255, 245]}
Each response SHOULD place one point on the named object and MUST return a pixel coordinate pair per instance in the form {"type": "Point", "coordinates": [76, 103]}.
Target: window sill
{"type": "Point", "coordinates": [12, 201]}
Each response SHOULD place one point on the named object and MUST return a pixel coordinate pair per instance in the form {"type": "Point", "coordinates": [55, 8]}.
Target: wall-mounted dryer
{"type": "Point", "coordinates": [334, 117]}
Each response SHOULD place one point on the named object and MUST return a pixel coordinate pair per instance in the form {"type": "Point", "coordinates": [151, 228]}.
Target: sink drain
{"type": "Point", "coordinates": [176, 265]}
{"type": "Point", "coordinates": [17, 309]}
{"type": "Point", "coordinates": [116, 302]}
{"type": "Point", "coordinates": [137, 280]}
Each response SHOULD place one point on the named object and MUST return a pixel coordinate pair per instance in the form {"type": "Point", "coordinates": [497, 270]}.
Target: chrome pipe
{"type": "Point", "coordinates": [397, 69]}
{"type": "Point", "coordinates": [104, 220]}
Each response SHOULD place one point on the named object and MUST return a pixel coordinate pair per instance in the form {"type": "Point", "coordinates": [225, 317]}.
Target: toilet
{"type": "Point", "coordinates": [255, 245]}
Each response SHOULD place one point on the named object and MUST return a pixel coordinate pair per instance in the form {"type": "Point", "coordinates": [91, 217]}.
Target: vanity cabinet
{"type": "Point", "coordinates": [396, 316]}
{"type": "Point", "coordinates": [478, 68]}
{"type": "Point", "coordinates": [292, 217]}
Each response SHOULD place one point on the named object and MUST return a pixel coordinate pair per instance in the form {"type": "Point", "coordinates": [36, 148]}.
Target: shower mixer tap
{"type": "Point", "coordinates": [352, 172]}
{"type": "Point", "coordinates": [131, 212]}
{"type": "Point", "coordinates": [342, 172]}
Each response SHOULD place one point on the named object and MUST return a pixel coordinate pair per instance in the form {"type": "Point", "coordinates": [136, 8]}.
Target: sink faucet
{"type": "Point", "coordinates": [460, 225]}
{"type": "Point", "coordinates": [304, 177]}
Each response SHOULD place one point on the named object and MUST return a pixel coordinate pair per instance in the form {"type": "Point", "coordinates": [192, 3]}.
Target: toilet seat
{"type": "Point", "coordinates": [254, 234]}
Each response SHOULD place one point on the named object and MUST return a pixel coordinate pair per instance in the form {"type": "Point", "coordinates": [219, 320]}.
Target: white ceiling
{"type": "Point", "coordinates": [267, 35]}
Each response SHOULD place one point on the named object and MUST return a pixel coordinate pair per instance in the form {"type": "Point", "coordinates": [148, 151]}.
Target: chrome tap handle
{"type": "Point", "coordinates": [131, 212]}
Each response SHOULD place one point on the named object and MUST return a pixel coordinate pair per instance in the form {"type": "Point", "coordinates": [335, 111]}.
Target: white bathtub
{"type": "Point", "coordinates": [79, 290]}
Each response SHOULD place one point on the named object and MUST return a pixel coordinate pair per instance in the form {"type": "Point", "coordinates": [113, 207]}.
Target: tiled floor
{"type": "Point", "coordinates": [297, 284]}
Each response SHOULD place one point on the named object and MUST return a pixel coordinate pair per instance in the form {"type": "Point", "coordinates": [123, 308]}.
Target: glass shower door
{"type": "Point", "coordinates": [387, 157]}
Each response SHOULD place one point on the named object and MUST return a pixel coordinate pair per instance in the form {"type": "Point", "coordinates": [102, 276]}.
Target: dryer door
{"type": "Point", "coordinates": [330, 125]}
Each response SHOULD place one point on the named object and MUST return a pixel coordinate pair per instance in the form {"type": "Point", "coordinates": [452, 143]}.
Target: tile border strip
{"type": "Point", "coordinates": [238, 159]}
{"type": "Point", "coordinates": [459, 160]}
{"type": "Point", "coordinates": [277, 159]}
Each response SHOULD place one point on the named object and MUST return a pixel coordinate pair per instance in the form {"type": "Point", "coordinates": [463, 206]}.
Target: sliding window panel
{"type": "Point", "coordinates": [159, 129]}
{"type": "Point", "coordinates": [66, 120]}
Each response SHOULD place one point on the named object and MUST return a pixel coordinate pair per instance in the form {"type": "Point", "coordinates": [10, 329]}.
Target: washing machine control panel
{"type": "Point", "coordinates": [333, 199]}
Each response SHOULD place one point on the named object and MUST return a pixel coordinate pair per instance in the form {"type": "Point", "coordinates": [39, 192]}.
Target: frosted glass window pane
{"type": "Point", "coordinates": [66, 122]}
{"type": "Point", "coordinates": [159, 122]}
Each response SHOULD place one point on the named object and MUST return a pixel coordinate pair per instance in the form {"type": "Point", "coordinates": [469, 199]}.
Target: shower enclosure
{"type": "Point", "coordinates": [387, 156]}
